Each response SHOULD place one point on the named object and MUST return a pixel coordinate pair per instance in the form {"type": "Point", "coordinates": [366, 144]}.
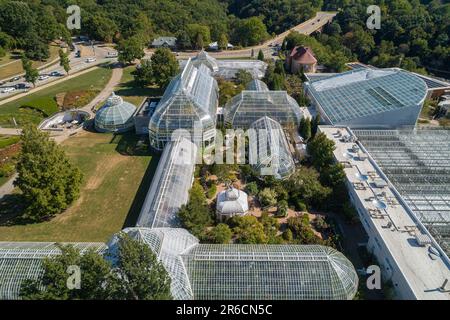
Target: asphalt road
{"type": "Point", "coordinates": [76, 64]}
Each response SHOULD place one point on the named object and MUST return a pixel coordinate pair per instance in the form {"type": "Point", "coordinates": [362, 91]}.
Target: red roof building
{"type": "Point", "coordinates": [301, 57]}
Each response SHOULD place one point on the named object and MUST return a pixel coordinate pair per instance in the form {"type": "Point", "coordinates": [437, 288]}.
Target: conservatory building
{"type": "Point", "coordinates": [258, 101]}
{"type": "Point", "coordinates": [368, 98]}
{"type": "Point", "coordinates": [269, 152]}
{"type": "Point", "coordinates": [115, 115]}
{"type": "Point", "coordinates": [250, 272]}
{"type": "Point", "coordinates": [190, 101]}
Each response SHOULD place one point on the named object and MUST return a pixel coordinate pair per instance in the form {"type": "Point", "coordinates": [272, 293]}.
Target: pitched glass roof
{"type": "Point", "coordinates": [250, 105]}
{"type": "Point", "coordinates": [269, 150]}
{"type": "Point", "coordinates": [170, 186]}
{"type": "Point", "coordinates": [364, 92]}
{"type": "Point", "coordinates": [210, 271]}
{"type": "Point", "coordinates": [115, 115]}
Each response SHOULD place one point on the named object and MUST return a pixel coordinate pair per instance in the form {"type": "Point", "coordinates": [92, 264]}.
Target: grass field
{"type": "Point", "coordinates": [117, 176]}
{"type": "Point", "coordinates": [132, 93]}
{"type": "Point", "coordinates": [93, 80]}
{"type": "Point", "coordinates": [11, 69]}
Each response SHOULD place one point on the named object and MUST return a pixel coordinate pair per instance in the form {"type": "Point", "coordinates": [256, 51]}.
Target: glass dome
{"type": "Point", "coordinates": [115, 115]}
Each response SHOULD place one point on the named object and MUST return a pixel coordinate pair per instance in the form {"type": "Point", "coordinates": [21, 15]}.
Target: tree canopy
{"type": "Point", "coordinates": [49, 182]}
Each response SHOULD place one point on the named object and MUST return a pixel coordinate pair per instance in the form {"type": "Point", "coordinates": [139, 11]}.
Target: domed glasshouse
{"type": "Point", "coordinates": [115, 115]}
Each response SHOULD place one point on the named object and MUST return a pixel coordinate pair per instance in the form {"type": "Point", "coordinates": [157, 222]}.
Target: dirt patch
{"type": "Point", "coordinates": [102, 170]}
{"type": "Point", "coordinates": [86, 51]}
{"type": "Point", "coordinates": [77, 99]}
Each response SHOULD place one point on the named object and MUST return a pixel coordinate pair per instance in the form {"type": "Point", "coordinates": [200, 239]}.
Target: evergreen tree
{"type": "Point", "coordinates": [31, 74]}
{"type": "Point", "coordinates": [47, 179]}
{"type": "Point", "coordinates": [315, 125]}
{"type": "Point", "coordinates": [321, 150]}
{"type": "Point", "coordinates": [221, 234]}
{"type": "Point", "coordinates": [164, 67]}
{"type": "Point", "coordinates": [199, 44]}
{"type": "Point", "coordinates": [260, 55]}
{"type": "Point", "coordinates": [305, 129]}
{"type": "Point", "coordinates": [223, 42]}
{"type": "Point", "coordinates": [184, 41]}
{"type": "Point", "coordinates": [64, 60]}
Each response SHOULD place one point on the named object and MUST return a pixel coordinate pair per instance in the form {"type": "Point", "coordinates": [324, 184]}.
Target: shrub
{"type": "Point", "coordinates": [211, 191]}
{"type": "Point", "coordinates": [251, 188]}
{"type": "Point", "coordinates": [300, 206]}
{"type": "Point", "coordinates": [268, 197]}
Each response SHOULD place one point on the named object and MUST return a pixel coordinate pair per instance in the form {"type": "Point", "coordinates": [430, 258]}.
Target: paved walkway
{"type": "Point", "coordinates": [10, 131]}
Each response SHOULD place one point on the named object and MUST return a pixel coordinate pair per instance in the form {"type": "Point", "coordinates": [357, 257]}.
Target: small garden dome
{"type": "Point", "coordinates": [115, 115]}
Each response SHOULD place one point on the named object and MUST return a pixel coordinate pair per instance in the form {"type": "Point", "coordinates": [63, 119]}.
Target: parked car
{"type": "Point", "coordinates": [14, 79]}
{"type": "Point", "coordinates": [8, 89]}
{"type": "Point", "coordinates": [112, 54]}
{"type": "Point", "coordinates": [21, 86]}
{"type": "Point", "coordinates": [91, 59]}
{"type": "Point", "coordinates": [55, 74]}
{"type": "Point", "coordinates": [43, 77]}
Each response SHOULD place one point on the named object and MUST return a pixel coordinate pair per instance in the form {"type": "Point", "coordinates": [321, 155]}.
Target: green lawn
{"type": "Point", "coordinates": [132, 93]}
{"type": "Point", "coordinates": [11, 69]}
{"type": "Point", "coordinates": [117, 176]}
{"type": "Point", "coordinates": [93, 80]}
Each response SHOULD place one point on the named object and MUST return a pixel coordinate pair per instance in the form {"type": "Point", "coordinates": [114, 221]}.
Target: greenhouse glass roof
{"type": "Point", "coordinates": [417, 162]}
{"type": "Point", "coordinates": [191, 97]}
{"type": "Point", "coordinates": [366, 92]}
{"type": "Point", "coordinates": [115, 115]}
{"type": "Point", "coordinates": [248, 106]}
{"type": "Point", "coordinates": [209, 271]}
{"type": "Point", "coordinates": [23, 260]}
{"type": "Point", "coordinates": [170, 186]}
{"type": "Point", "coordinates": [257, 85]}
{"type": "Point", "coordinates": [269, 150]}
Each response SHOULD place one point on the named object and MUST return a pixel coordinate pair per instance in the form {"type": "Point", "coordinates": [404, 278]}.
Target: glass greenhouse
{"type": "Point", "coordinates": [269, 152]}
{"type": "Point", "coordinates": [22, 260]}
{"type": "Point", "coordinates": [256, 102]}
{"type": "Point", "coordinates": [417, 162]}
{"type": "Point", "coordinates": [386, 98]}
{"type": "Point", "coordinates": [115, 115]}
{"type": "Point", "coordinates": [240, 271]}
{"type": "Point", "coordinates": [190, 99]}
{"type": "Point", "coordinates": [170, 186]}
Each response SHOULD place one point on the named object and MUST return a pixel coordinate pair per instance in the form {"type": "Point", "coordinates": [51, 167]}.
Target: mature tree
{"type": "Point", "coordinates": [31, 74]}
{"type": "Point", "coordinates": [130, 50]}
{"type": "Point", "coordinates": [95, 273]}
{"type": "Point", "coordinates": [304, 187]}
{"type": "Point", "coordinates": [47, 179]}
{"type": "Point", "coordinates": [221, 234]}
{"type": "Point", "coordinates": [305, 128]}
{"type": "Point", "coordinates": [243, 77]}
{"type": "Point", "coordinates": [64, 60]}
{"type": "Point", "coordinates": [315, 125]}
{"type": "Point", "coordinates": [332, 175]}
{"type": "Point", "coordinates": [138, 275]}
{"type": "Point", "coordinates": [199, 43]}
{"type": "Point", "coordinates": [223, 42]}
{"type": "Point", "coordinates": [321, 151]}
{"type": "Point", "coordinates": [100, 27]}
{"type": "Point", "coordinates": [271, 227]}
{"type": "Point", "coordinates": [268, 197]}
{"type": "Point", "coordinates": [143, 75]}
{"type": "Point", "coordinates": [250, 31]}
{"type": "Point", "coordinates": [260, 55]}
{"type": "Point", "coordinates": [184, 41]}
{"type": "Point", "coordinates": [164, 66]}
{"type": "Point", "coordinates": [248, 230]}
{"type": "Point", "coordinates": [35, 48]}
{"type": "Point", "coordinates": [195, 215]}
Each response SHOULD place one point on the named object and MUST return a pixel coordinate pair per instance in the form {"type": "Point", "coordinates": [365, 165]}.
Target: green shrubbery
{"type": "Point", "coordinates": [8, 141]}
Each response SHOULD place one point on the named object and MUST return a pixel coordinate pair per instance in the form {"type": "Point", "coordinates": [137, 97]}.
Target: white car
{"type": "Point", "coordinates": [92, 59]}
{"type": "Point", "coordinates": [8, 89]}
{"type": "Point", "coordinates": [43, 77]}
{"type": "Point", "coordinates": [112, 54]}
